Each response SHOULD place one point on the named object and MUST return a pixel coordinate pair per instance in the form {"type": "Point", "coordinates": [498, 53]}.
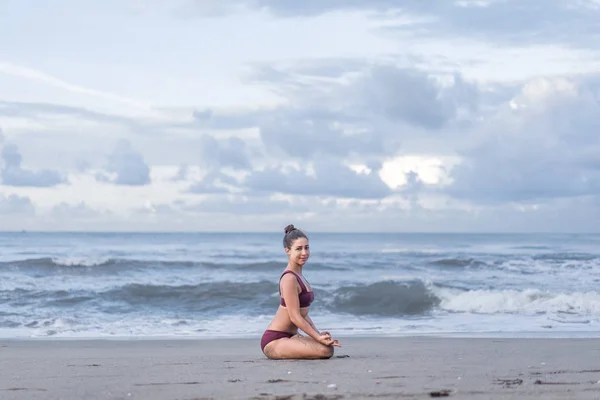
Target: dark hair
{"type": "Point", "coordinates": [291, 234]}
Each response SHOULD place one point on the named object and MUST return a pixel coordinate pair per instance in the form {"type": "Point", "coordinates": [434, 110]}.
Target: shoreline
{"type": "Point", "coordinates": [398, 367]}
{"type": "Point", "coordinates": [547, 335]}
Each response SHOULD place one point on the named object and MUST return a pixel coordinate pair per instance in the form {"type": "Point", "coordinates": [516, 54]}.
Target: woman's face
{"type": "Point", "coordinates": [299, 251]}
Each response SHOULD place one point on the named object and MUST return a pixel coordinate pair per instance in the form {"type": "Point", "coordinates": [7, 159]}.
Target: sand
{"type": "Point", "coordinates": [415, 368]}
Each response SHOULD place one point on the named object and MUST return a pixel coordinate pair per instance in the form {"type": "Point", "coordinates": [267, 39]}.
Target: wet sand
{"type": "Point", "coordinates": [415, 368]}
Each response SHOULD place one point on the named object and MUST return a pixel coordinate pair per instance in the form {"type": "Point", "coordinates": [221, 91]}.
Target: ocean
{"type": "Point", "coordinates": [218, 285]}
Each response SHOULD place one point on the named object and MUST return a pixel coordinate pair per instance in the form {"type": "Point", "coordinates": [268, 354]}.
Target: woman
{"type": "Point", "coordinates": [281, 340]}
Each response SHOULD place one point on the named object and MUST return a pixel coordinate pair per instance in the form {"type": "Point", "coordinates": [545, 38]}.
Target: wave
{"type": "Point", "coordinates": [527, 301]}
{"type": "Point", "coordinates": [269, 266]}
{"type": "Point", "coordinates": [417, 298]}
{"type": "Point", "coordinates": [458, 262]}
{"type": "Point", "coordinates": [195, 299]}
{"type": "Point", "coordinates": [566, 257]}
{"type": "Point", "coordinates": [386, 298]}
{"type": "Point", "coordinates": [531, 247]}
{"type": "Point", "coordinates": [204, 297]}
{"type": "Point", "coordinates": [111, 265]}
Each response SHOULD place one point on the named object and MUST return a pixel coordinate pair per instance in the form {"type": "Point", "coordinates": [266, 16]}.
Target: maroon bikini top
{"type": "Point", "coordinates": [305, 297]}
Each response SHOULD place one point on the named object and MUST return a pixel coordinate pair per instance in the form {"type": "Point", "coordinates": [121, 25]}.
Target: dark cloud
{"type": "Point", "coordinates": [216, 154]}
{"type": "Point", "coordinates": [413, 187]}
{"type": "Point", "coordinates": [209, 8]}
{"type": "Point", "coordinates": [13, 174]}
{"type": "Point", "coordinates": [546, 148]}
{"type": "Point", "coordinates": [284, 7]}
{"type": "Point", "coordinates": [13, 204]}
{"type": "Point", "coordinates": [304, 135]}
{"type": "Point", "coordinates": [511, 21]}
{"type": "Point", "coordinates": [330, 178]}
{"type": "Point", "coordinates": [202, 115]}
{"type": "Point", "coordinates": [505, 21]}
{"type": "Point", "coordinates": [231, 152]}
{"type": "Point", "coordinates": [214, 182]}
{"type": "Point", "coordinates": [128, 165]}
{"type": "Point", "coordinates": [403, 95]}
{"type": "Point", "coordinates": [412, 96]}
{"type": "Point", "coordinates": [367, 118]}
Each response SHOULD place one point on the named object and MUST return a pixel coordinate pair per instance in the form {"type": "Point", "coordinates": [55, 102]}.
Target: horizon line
{"type": "Point", "coordinates": [316, 231]}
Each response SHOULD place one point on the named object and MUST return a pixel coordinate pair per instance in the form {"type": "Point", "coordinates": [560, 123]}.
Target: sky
{"type": "Point", "coordinates": [332, 115]}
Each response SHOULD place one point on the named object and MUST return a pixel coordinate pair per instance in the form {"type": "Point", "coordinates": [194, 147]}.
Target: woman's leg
{"type": "Point", "coordinates": [297, 348]}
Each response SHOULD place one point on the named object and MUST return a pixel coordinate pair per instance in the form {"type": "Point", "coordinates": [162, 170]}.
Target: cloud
{"type": "Point", "coordinates": [307, 133]}
{"type": "Point", "coordinates": [182, 173]}
{"type": "Point", "coordinates": [413, 96]}
{"type": "Point", "coordinates": [286, 7]}
{"type": "Point", "coordinates": [560, 215]}
{"type": "Point", "coordinates": [127, 166]}
{"type": "Point", "coordinates": [329, 178]}
{"type": "Point", "coordinates": [39, 110]}
{"type": "Point", "coordinates": [412, 188]}
{"type": "Point", "coordinates": [420, 115]}
{"type": "Point", "coordinates": [511, 21]}
{"type": "Point", "coordinates": [13, 174]}
{"type": "Point", "coordinates": [544, 144]}
{"type": "Point", "coordinates": [230, 152]}
{"type": "Point", "coordinates": [35, 75]}
{"type": "Point", "coordinates": [538, 145]}
{"type": "Point", "coordinates": [202, 115]}
{"type": "Point", "coordinates": [241, 205]}
{"type": "Point", "coordinates": [210, 8]}
{"type": "Point", "coordinates": [13, 204]}
{"type": "Point", "coordinates": [507, 21]}
{"type": "Point", "coordinates": [79, 212]}
{"type": "Point", "coordinates": [216, 155]}
{"type": "Point", "coordinates": [214, 182]}
{"type": "Point", "coordinates": [365, 114]}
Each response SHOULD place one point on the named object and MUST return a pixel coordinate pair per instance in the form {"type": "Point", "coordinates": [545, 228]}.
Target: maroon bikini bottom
{"type": "Point", "coordinates": [270, 335]}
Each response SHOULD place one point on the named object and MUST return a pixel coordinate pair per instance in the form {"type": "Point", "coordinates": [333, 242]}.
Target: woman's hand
{"type": "Point", "coordinates": [326, 339]}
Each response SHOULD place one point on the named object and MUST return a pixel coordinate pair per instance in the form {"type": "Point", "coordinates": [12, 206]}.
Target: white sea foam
{"type": "Point", "coordinates": [79, 261]}
{"type": "Point", "coordinates": [527, 301]}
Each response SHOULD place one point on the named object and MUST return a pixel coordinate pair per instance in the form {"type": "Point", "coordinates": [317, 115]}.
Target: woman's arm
{"type": "Point", "coordinates": [289, 292]}
{"type": "Point", "coordinates": [310, 321]}
{"type": "Point", "coordinates": [324, 333]}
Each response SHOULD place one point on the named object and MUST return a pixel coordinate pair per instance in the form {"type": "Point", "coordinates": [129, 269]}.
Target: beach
{"type": "Point", "coordinates": [365, 367]}
{"type": "Point", "coordinates": [178, 316]}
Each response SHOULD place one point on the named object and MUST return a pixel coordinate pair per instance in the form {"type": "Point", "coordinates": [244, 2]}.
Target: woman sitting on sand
{"type": "Point", "coordinates": [281, 340]}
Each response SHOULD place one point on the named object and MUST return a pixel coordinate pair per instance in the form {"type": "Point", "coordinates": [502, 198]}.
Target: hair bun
{"type": "Point", "coordinates": [289, 228]}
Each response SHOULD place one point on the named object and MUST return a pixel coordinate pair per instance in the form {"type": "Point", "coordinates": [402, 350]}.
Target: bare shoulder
{"type": "Point", "coordinates": [288, 279]}
{"type": "Point", "coordinates": [288, 282]}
